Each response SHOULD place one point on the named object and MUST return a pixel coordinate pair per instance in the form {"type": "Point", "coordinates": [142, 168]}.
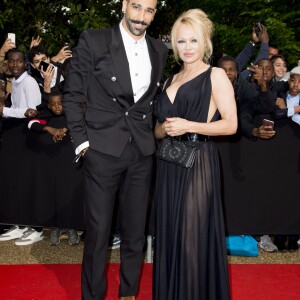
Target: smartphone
{"type": "Point", "coordinates": [257, 28]}
{"type": "Point", "coordinates": [12, 37]}
{"type": "Point", "coordinates": [68, 45]}
{"type": "Point", "coordinates": [269, 123]}
{"type": "Point", "coordinates": [44, 65]}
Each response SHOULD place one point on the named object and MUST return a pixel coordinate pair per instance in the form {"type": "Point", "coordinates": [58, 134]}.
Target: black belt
{"type": "Point", "coordinates": [192, 137]}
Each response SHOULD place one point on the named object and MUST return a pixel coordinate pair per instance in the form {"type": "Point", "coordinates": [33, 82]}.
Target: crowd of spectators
{"type": "Point", "coordinates": [265, 91]}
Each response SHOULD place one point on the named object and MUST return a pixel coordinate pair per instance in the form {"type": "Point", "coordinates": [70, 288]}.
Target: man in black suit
{"type": "Point", "coordinates": [118, 71]}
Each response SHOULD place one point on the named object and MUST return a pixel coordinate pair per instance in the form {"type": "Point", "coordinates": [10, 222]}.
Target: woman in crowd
{"type": "Point", "coordinates": [280, 68]}
{"type": "Point", "coordinates": [190, 254]}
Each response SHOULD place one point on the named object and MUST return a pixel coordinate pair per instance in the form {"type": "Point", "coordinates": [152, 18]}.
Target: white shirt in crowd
{"type": "Point", "coordinates": [291, 102]}
{"type": "Point", "coordinates": [25, 94]}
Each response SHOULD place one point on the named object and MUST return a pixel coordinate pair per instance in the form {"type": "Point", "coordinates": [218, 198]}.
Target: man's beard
{"type": "Point", "coordinates": [134, 31]}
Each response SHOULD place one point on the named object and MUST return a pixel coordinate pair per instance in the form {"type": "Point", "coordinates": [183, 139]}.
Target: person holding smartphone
{"type": "Point", "coordinates": [47, 73]}
{"type": "Point", "coordinates": [7, 45]}
{"type": "Point", "coordinates": [269, 91]}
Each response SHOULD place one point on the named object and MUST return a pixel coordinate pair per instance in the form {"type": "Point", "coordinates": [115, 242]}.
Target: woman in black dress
{"type": "Point", "coordinates": [190, 259]}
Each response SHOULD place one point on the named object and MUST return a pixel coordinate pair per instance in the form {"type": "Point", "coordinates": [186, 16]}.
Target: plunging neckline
{"type": "Point", "coordinates": [182, 85]}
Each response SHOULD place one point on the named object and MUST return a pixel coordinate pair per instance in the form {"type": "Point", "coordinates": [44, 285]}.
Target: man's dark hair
{"type": "Point", "coordinates": [37, 50]}
{"type": "Point", "coordinates": [15, 50]}
{"type": "Point", "coordinates": [55, 92]}
{"type": "Point", "coordinates": [225, 59]}
{"type": "Point", "coordinates": [273, 46]}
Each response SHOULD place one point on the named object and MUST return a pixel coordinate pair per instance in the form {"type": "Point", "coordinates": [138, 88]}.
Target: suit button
{"type": "Point", "coordinates": [126, 114]}
{"type": "Point", "coordinates": [114, 99]}
{"type": "Point", "coordinates": [144, 116]}
{"type": "Point", "coordinates": [158, 84]}
{"type": "Point", "coordinates": [113, 79]}
{"type": "Point", "coordinates": [151, 102]}
{"type": "Point", "coordinates": [130, 140]}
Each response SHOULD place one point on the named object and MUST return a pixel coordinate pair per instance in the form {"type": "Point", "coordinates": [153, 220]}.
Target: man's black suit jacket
{"type": "Point", "coordinates": [99, 73]}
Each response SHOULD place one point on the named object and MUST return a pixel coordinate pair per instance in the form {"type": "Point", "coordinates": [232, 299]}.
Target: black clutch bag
{"type": "Point", "coordinates": [181, 153]}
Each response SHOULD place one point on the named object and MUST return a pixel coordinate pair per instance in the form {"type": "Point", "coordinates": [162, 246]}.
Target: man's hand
{"type": "Point", "coordinates": [254, 37]}
{"type": "Point", "coordinates": [35, 41]}
{"type": "Point", "coordinates": [258, 76]}
{"type": "Point", "coordinates": [8, 44]}
{"type": "Point", "coordinates": [263, 36]}
{"type": "Point", "coordinates": [48, 76]}
{"type": "Point", "coordinates": [31, 113]}
{"type": "Point", "coordinates": [62, 55]}
{"type": "Point", "coordinates": [263, 132]}
{"type": "Point", "coordinates": [280, 103]}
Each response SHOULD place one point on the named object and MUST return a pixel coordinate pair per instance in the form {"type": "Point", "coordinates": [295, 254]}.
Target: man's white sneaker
{"type": "Point", "coordinates": [13, 233]}
{"type": "Point", "coordinates": [29, 237]}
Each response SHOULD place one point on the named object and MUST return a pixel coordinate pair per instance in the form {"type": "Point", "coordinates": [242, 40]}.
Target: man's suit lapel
{"type": "Point", "coordinates": [156, 65]}
{"type": "Point", "coordinates": [155, 62]}
{"type": "Point", "coordinates": [121, 65]}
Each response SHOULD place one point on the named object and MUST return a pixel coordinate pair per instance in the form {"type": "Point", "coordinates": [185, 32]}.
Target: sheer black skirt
{"type": "Point", "coordinates": [190, 260]}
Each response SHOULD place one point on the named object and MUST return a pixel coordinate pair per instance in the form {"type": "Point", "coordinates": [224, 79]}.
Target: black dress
{"type": "Point", "coordinates": [190, 260]}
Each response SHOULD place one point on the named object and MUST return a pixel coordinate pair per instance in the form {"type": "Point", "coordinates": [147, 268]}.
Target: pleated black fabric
{"type": "Point", "coordinates": [39, 183]}
{"type": "Point", "coordinates": [190, 261]}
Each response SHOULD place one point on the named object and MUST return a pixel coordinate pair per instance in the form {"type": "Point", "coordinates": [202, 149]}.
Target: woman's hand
{"type": "Point", "coordinates": [176, 126]}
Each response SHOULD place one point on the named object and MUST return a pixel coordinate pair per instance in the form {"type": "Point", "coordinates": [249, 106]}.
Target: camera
{"type": "Point", "coordinates": [257, 27]}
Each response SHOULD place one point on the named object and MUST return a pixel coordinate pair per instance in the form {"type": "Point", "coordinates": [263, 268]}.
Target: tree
{"type": "Point", "coordinates": [55, 21]}
{"type": "Point", "coordinates": [233, 21]}
{"type": "Point", "coordinates": [58, 21]}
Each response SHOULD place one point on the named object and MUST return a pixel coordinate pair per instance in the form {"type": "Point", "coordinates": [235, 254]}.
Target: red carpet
{"type": "Point", "coordinates": [60, 282]}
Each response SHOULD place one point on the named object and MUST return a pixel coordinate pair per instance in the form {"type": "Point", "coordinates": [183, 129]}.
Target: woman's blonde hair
{"type": "Point", "coordinates": [203, 28]}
